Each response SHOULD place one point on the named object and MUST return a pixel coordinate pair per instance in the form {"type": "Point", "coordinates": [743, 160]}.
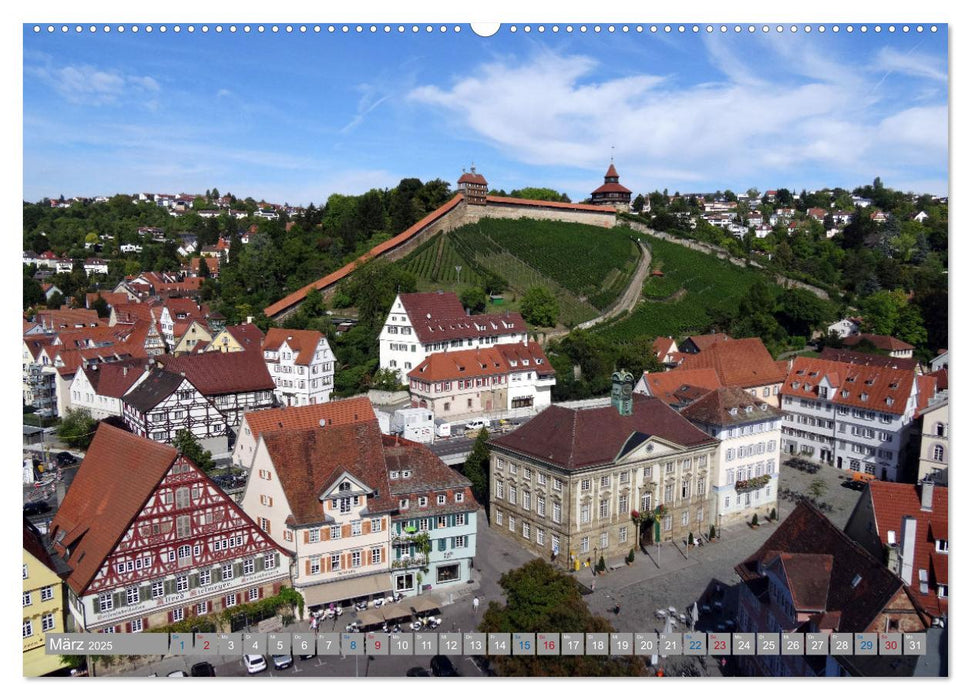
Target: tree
{"type": "Point", "coordinates": [474, 299]}
{"type": "Point", "coordinates": [77, 428]}
{"type": "Point", "coordinates": [539, 307]}
{"type": "Point", "coordinates": [33, 293]}
{"type": "Point", "coordinates": [186, 443]}
{"type": "Point", "coordinates": [802, 311]}
{"type": "Point", "coordinates": [476, 468]}
{"type": "Point", "coordinates": [881, 311]}
{"type": "Point", "coordinates": [101, 306]}
{"type": "Point", "coordinates": [817, 488]}
{"type": "Point", "coordinates": [637, 206]}
{"type": "Point", "coordinates": [540, 598]}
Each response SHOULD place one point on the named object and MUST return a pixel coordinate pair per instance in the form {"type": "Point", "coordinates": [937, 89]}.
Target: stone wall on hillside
{"type": "Point", "coordinates": [506, 211]}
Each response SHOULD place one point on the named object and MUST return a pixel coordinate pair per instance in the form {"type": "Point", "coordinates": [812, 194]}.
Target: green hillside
{"type": "Point", "coordinates": [586, 267]}
{"type": "Point", "coordinates": [696, 288]}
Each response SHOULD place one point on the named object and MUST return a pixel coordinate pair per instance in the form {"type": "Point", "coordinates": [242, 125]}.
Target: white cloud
{"type": "Point", "coordinates": [910, 63]}
{"type": "Point", "coordinates": [86, 84]}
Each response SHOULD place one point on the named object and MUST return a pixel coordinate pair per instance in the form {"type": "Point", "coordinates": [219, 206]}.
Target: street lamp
{"type": "Point", "coordinates": [458, 274]}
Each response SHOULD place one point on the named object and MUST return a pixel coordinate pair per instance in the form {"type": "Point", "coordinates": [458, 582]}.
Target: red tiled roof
{"type": "Point", "coordinates": [884, 342]}
{"type": "Point", "coordinates": [745, 363]}
{"type": "Point", "coordinates": [678, 387]}
{"type": "Point", "coordinates": [611, 171]}
{"type": "Point", "coordinates": [926, 389]}
{"type": "Point", "coordinates": [334, 277]}
{"type": "Point", "coordinates": [439, 316]}
{"type": "Point", "coordinates": [877, 383]}
{"type": "Point", "coordinates": [807, 577]}
{"type": "Point", "coordinates": [611, 187]}
{"type": "Point", "coordinates": [119, 472]}
{"type": "Point", "coordinates": [577, 438]}
{"type": "Point", "coordinates": [339, 412]}
{"type": "Point", "coordinates": [890, 503]}
{"type": "Point", "coordinates": [703, 342]}
{"type": "Point", "coordinates": [808, 531]}
{"type": "Point", "coordinates": [303, 343]}
{"type": "Point", "coordinates": [715, 408]}
{"type": "Point", "coordinates": [428, 474]}
{"type": "Point", "coordinates": [431, 305]}
{"type": "Point", "coordinates": [247, 335]}
{"type": "Point", "coordinates": [662, 347]}
{"type": "Point", "coordinates": [862, 358]}
{"type": "Point", "coordinates": [482, 362]}
{"type": "Point", "coordinates": [111, 298]}
{"type": "Point", "coordinates": [114, 379]}
{"type": "Point", "coordinates": [472, 178]}
{"type": "Point", "coordinates": [133, 311]}
{"type": "Point", "coordinates": [215, 373]}
{"type": "Point", "coordinates": [309, 460]}
{"type": "Point", "coordinates": [39, 547]}
{"type": "Point", "coordinates": [551, 205]}
{"type": "Point", "coordinates": [941, 377]}
{"type": "Point", "coordinates": [531, 351]}
{"type": "Point", "coordinates": [55, 319]}
{"type": "Point", "coordinates": [35, 344]}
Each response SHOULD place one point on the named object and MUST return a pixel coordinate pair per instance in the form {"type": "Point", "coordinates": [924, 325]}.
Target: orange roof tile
{"type": "Point", "coordinates": [340, 412]}
{"type": "Point", "coordinates": [679, 386]}
{"type": "Point", "coordinates": [303, 343]}
{"type": "Point", "coordinates": [876, 384]}
{"type": "Point", "coordinates": [745, 363]}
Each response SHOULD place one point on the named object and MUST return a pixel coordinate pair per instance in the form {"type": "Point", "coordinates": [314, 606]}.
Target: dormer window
{"type": "Point", "coordinates": [406, 474]}
{"type": "Point", "coordinates": [890, 401]}
{"type": "Point", "coordinates": [402, 504]}
{"type": "Point", "coordinates": [864, 396]}
{"type": "Point", "coordinates": [823, 392]}
{"type": "Point", "coordinates": [733, 411]}
{"type": "Point", "coordinates": [940, 546]}
{"type": "Point", "coordinates": [422, 501]}
{"type": "Point", "coordinates": [345, 486]}
{"type": "Point", "coordinates": [394, 475]}
{"type": "Point", "coordinates": [844, 393]}
{"type": "Point", "coordinates": [748, 409]}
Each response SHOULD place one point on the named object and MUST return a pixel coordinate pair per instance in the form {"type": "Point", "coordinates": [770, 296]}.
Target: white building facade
{"type": "Point", "coordinates": [301, 365]}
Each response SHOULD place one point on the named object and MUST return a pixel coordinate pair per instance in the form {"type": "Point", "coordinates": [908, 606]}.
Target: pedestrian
{"type": "Point", "coordinates": [475, 604]}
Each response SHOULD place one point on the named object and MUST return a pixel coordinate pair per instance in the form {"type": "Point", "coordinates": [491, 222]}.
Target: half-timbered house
{"type": "Point", "coordinates": [152, 541]}
{"type": "Point", "coordinates": [165, 403]}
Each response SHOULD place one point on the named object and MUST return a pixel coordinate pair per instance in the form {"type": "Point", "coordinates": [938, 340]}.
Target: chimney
{"type": "Point", "coordinates": [908, 540]}
{"type": "Point", "coordinates": [927, 496]}
{"type": "Point", "coordinates": [249, 319]}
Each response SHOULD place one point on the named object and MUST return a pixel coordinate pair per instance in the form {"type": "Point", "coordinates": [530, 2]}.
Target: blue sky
{"type": "Point", "coordinates": [296, 117]}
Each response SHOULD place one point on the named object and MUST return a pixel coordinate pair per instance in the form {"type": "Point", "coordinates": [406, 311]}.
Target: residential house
{"type": "Point", "coordinates": [678, 389]}
{"type": "Point", "coordinates": [666, 352]}
{"type": "Point", "coordinates": [234, 383]}
{"type": "Point", "coordinates": [422, 323]}
{"type": "Point", "coordinates": [854, 417]}
{"type": "Point", "coordinates": [99, 387]}
{"type": "Point", "coordinates": [879, 217]}
{"type": "Point", "coordinates": [44, 601]}
{"type": "Point", "coordinates": [39, 388]}
{"type": "Point", "coordinates": [745, 481]}
{"type": "Point", "coordinates": [905, 526]}
{"type": "Point", "coordinates": [323, 494]}
{"type": "Point", "coordinates": [743, 363]}
{"type": "Point", "coordinates": [50, 291]}
{"type": "Point", "coordinates": [845, 327]}
{"type": "Point", "coordinates": [195, 335]}
{"type": "Point", "coordinates": [934, 425]}
{"type": "Point", "coordinates": [301, 365]}
{"type": "Point", "coordinates": [67, 362]}
{"type": "Point", "coordinates": [175, 317]}
{"type": "Point", "coordinates": [482, 380]}
{"type": "Point", "coordinates": [809, 576]}
{"type": "Point", "coordinates": [340, 412]}
{"type": "Point", "coordinates": [165, 402]}
{"type": "Point", "coordinates": [433, 501]}
{"type": "Point", "coordinates": [694, 344]}
{"type": "Point", "coordinates": [863, 358]}
{"type": "Point", "coordinates": [565, 484]}
{"type": "Point", "coordinates": [817, 213]}
{"type": "Point", "coordinates": [245, 336]}
{"type": "Point", "coordinates": [95, 266]}
{"type": "Point", "coordinates": [920, 216]}
{"type": "Point", "coordinates": [938, 363]}
{"type": "Point", "coordinates": [151, 541]}
{"type": "Point", "coordinates": [54, 320]}
{"type": "Point", "coordinates": [892, 346]}
{"type": "Point", "coordinates": [130, 248]}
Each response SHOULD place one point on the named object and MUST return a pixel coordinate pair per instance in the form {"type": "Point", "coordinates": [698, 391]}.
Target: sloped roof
{"type": "Point", "coordinates": [807, 577]}
{"type": "Point", "coordinates": [338, 412]}
{"type": "Point", "coordinates": [431, 306]}
{"type": "Point", "coordinates": [745, 363]}
{"type": "Point", "coordinates": [681, 386]}
{"type": "Point", "coordinates": [611, 187]}
{"type": "Point", "coordinates": [118, 474]}
{"type": "Point", "coordinates": [862, 358]}
{"type": "Point", "coordinates": [428, 474]}
{"type": "Point", "coordinates": [443, 328]}
{"type": "Point", "coordinates": [481, 362]}
{"type": "Point", "coordinates": [703, 342]}
{"type": "Point", "coordinates": [303, 343]}
{"type": "Point", "coordinates": [808, 531]}
{"type": "Point", "coordinates": [531, 352]}
{"type": "Point", "coordinates": [55, 319]}
{"type": "Point", "coordinates": [114, 379]}
{"type": "Point", "coordinates": [572, 438]}
{"type": "Point", "coordinates": [729, 406]}
{"type": "Point", "coordinates": [941, 377]}
{"type": "Point", "coordinates": [472, 178]}
{"type": "Point", "coordinates": [884, 342]}
{"type": "Point", "coordinates": [40, 548]}
{"type": "Point", "coordinates": [611, 171]}
{"type": "Point", "coordinates": [309, 460]}
{"type": "Point", "coordinates": [156, 387]}
{"type": "Point", "coordinates": [891, 502]}
{"type": "Point", "coordinates": [247, 335]}
{"type": "Point", "coordinates": [215, 373]}
{"type": "Point", "coordinates": [876, 383]}
{"type": "Point", "coordinates": [600, 209]}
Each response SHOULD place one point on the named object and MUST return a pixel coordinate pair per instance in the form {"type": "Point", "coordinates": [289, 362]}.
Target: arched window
{"type": "Point", "coordinates": [939, 429]}
{"type": "Point", "coordinates": [939, 453]}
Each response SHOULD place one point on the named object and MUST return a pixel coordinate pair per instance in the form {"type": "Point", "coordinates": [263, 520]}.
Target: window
{"type": "Point", "coordinates": [28, 629]}
{"type": "Point", "coordinates": [25, 572]}
{"type": "Point", "coordinates": [541, 506]}
{"type": "Point", "coordinates": [403, 504]}
{"type": "Point", "coordinates": [422, 501]}
{"type": "Point", "coordinates": [525, 529]}
{"type": "Point", "coordinates": [227, 572]}
{"type": "Point", "coordinates": [202, 608]}
{"type": "Point", "coordinates": [646, 502]}
{"type": "Point", "coordinates": [939, 453]}
{"type": "Point", "coordinates": [269, 561]}
{"type": "Point", "coordinates": [137, 625]}
{"type": "Point", "coordinates": [357, 527]}
{"type": "Point", "coordinates": [181, 583]}
{"type": "Point", "coordinates": [440, 499]}
{"type": "Point", "coordinates": [623, 534]}
{"type": "Point", "coordinates": [47, 593]}
{"type": "Point", "coordinates": [313, 535]}
{"type": "Point", "coordinates": [527, 473]}
{"type": "Point", "coordinates": [185, 553]}
{"type": "Point", "coordinates": [557, 511]}
{"type": "Point", "coordinates": [230, 600]}
{"type": "Point", "coordinates": [183, 525]}
{"type": "Point", "coordinates": [376, 525]}
{"type": "Point", "coordinates": [701, 486]}
{"type": "Point", "coordinates": [605, 481]}
{"type": "Point", "coordinates": [666, 524]}
{"type": "Point", "coordinates": [584, 544]}
{"type": "Point", "coordinates": [441, 522]}
{"type": "Point", "coordinates": [314, 566]}
{"type": "Point", "coordinates": [27, 598]}
{"type": "Point", "coordinates": [512, 524]}
{"type": "Point", "coordinates": [512, 495]}
{"type": "Point", "coordinates": [541, 478]}
{"type": "Point", "coordinates": [460, 519]}
{"type": "Point", "coordinates": [182, 497]}
{"type": "Point", "coordinates": [684, 518]}
{"type": "Point", "coordinates": [105, 601]}
{"type": "Point", "coordinates": [131, 595]}
{"type": "Point", "coordinates": [178, 614]}
{"type": "Point", "coordinates": [669, 493]}
{"type": "Point", "coordinates": [158, 589]}
{"type": "Point", "coordinates": [375, 555]}
{"type": "Point", "coordinates": [604, 508]}
{"type": "Point", "coordinates": [459, 497]}
{"type": "Point", "coordinates": [527, 500]}
{"type": "Point", "coordinates": [356, 558]}
{"type": "Point", "coordinates": [513, 468]}
{"type": "Point", "coordinates": [624, 502]}
{"type": "Point", "coordinates": [205, 577]}
{"type": "Point", "coordinates": [345, 504]}
{"type": "Point", "coordinates": [585, 513]}
{"type": "Point", "coordinates": [498, 517]}
{"type": "Point", "coordinates": [603, 540]}
{"type": "Point", "coordinates": [585, 484]}
{"type": "Point", "coordinates": [249, 566]}
{"type": "Point", "coordinates": [557, 485]}
{"type": "Point", "coordinates": [335, 562]}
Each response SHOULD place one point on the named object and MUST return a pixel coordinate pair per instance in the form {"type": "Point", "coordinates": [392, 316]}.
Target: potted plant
{"type": "Point", "coordinates": [691, 539]}
{"type": "Point", "coordinates": [601, 565]}
{"type": "Point", "coordinates": [711, 533]}
{"type": "Point", "coordinates": [773, 515]}
{"type": "Point", "coordinates": [755, 520]}
{"type": "Point", "coordinates": [630, 557]}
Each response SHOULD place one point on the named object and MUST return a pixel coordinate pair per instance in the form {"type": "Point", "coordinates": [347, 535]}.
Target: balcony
{"type": "Point", "coordinates": [409, 562]}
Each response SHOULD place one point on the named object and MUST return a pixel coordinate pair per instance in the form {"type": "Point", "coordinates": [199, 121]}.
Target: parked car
{"type": "Point", "coordinates": [36, 508]}
{"type": "Point", "coordinates": [203, 669]}
{"type": "Point", "coordinates": [282, 661]}
{"type": "Point", "coordinates": [254, 663]}
{"type": "Point", "coordinates": [65, 459]}
{"type": "Point", "coordinates": [477, 424]}
{"type": "Point", "coordinates": [442, 667]}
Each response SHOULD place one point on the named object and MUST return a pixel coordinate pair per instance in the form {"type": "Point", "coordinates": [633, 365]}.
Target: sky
{"type": "Point", "coordinates": [296, 117]}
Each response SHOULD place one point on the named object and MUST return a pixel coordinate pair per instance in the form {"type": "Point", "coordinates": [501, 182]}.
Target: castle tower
{"type": "Point", "coordinates": [621, 390]}
{"type": "Point", "coordinates": [612, 192]}
{"type": "Point", "coordinates": [474, 187]}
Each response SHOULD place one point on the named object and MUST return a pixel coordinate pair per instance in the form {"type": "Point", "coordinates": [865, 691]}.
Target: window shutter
{"type": "Point", "coordinates": [307, 567]}
{"type": "Point", "coordinates": [259, 563]}
{"type": "Point", "coordinates": [170, 617]}
{"type": "Point", "coordinates": [193, 580]}
{"type": "Point", "coordinates": [145, 592]}
{"type": "Point", "coordinates": [366, 528]}
{"type": "Point", "coordinates": [118, 599]}
{"type": "Point", "coordinates": [237, 570]}
{"type": "Point", "coordinates": [306, 537]}
{"type": "Point", "coordinates": [169, 586]}
{"type": "Point", "coordinates": [324, 534]}
{"type": "Point", "coordinates": [127, 627]}
{"type": "Point", "coordinates": [345, 531]}
{"type": "Point", "coordinates": [451, 520]}
{"type": "Point", "coordinates": [217, 575]}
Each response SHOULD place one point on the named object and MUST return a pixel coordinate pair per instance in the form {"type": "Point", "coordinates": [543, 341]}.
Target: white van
{"type": "Point", "coordinates": [477, 424]}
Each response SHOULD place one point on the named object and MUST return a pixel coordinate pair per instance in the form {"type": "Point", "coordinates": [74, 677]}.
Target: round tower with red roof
{"type": "Point", "coordinates": [612, 192]}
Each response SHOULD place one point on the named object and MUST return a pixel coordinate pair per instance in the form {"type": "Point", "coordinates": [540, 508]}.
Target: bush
{"type": "Point", "coordinates": [711, 532]}
{"type": "Point", "coordinates": [691, 538]}
{"type": "Point", "coordinates": [773, 515]}
{"type": "Point", "coordinates": [755, 519]}
{"type": "Point", "coordinates": [630, 556]}
{"type": "Point", "coordinates": [601, 565]}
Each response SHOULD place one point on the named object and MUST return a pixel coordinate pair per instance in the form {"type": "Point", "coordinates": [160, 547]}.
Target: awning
{"type": "Point", "coordinates": [336, 591]}
{"type": "Point", "coordinates": [370, 618]}
{"type": "Point", "coordinates": [422, 605]}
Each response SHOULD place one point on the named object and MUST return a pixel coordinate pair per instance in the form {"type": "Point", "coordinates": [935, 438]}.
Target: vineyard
{"type": "Point", "coordinates": [709, 284]}
{"type": "Point", "coordinates": [585, 267]}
